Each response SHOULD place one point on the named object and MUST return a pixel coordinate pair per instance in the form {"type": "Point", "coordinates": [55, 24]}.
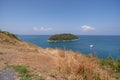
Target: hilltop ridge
{"type": "Point", "coordinates": [8, 37]}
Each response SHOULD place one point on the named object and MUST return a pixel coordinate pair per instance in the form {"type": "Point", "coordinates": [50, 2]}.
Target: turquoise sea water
{"type": "Point", "coordinates": [104, 46]}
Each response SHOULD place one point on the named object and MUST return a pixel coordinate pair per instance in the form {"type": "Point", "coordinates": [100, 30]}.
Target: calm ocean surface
{"type": "Point", "coordinates": [103, 45]}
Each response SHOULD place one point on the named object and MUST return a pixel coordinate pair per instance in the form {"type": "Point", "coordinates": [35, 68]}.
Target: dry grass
{"type": "Point", "coordinates": [73, 66]}
{"type": "Point", "coordinates": [7, 39]}
{"type": "Point", "coordinates": [66, 65]}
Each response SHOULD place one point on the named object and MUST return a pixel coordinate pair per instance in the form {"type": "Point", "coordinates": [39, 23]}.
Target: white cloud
{"type": "Point", "coordinates": [87, 28]}
{"type": "Point", "coordinates": [42, 29]}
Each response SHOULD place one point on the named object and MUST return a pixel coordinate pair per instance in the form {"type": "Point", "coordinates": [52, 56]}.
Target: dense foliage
{"type": "Point", "coordinates": [62, 37]}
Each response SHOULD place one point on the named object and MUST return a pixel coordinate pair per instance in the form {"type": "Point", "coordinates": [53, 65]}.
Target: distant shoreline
{"type": "Point", "coordinates": [62, 40]}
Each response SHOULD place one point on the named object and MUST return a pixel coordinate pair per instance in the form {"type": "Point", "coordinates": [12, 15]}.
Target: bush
{"type": "Point", "coordinates": [22, 70]}
{"type": "Point", "coordinates": [114, 64]}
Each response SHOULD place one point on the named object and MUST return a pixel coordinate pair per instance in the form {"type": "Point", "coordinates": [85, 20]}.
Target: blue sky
{"type": "Point", "coordinates": [84, 17]}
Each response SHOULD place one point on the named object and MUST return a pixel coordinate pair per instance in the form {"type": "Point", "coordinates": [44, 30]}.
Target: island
{"type": "Point", "coordinates": [62, 37]}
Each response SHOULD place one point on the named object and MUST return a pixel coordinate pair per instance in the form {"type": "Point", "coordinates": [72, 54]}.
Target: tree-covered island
{"type": "Point", "coordinates": [62, 37]}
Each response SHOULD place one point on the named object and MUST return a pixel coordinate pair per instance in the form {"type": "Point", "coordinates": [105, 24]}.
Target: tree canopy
{"type": "Point", "coordinates": [62, 37]}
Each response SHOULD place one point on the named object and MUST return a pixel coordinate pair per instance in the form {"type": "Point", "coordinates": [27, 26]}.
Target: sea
{"type": "Point", "coordinates": [99, 46]}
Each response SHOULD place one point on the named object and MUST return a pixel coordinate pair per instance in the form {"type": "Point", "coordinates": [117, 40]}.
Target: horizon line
{"type": "Point", "coordinates": [75, 34]}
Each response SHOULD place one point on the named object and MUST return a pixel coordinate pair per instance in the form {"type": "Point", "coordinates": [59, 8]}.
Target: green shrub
{"type": "Point", "coordinates": [22, 70]}
{"type": "Point", "coordinates": [114, 64]}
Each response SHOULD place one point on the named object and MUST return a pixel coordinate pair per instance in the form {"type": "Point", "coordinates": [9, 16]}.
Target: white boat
{"type": "Point", "coordinates": [91, 46]}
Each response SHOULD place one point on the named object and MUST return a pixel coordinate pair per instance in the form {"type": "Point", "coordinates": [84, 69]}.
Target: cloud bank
{"type": "Point", "coordinates": [87, 28]}
{"type": "Point", "coordinates": [42, 29]}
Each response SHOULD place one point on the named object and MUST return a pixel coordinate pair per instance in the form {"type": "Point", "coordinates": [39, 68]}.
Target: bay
{"type": "Point", "coordinates": [103, 46]}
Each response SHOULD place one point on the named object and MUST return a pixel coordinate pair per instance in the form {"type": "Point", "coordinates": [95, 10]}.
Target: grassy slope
{"type": "Point", "coordinates": [50, 63]}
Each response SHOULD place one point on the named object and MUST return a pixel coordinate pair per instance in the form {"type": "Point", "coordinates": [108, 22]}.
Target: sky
{"type": "Point", "coordinates": [46, 17]}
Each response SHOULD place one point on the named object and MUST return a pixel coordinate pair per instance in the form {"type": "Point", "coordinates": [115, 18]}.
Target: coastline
{"type": "Point", "coordinates": [62, 40]}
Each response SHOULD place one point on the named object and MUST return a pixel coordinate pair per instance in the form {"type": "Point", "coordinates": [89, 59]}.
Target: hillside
{"type": "Point", "coordinates": [35, 63]}
{"type": "Point", "coordinates": [62, 37]}
{"type": "Point", "coordinates": [8, 37]}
